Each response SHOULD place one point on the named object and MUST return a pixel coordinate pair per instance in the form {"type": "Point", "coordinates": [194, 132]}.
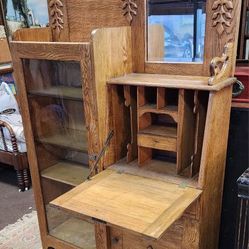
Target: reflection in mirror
{"type": "Point", "coordinates": [176, 30]}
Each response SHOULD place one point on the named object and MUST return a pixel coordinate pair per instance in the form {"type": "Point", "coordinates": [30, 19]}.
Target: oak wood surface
{"type": "Point", "coordinates": [111, 53]}
{"type": "Point", "coordinates": [33, 34]}
{"type": "Point", "coordinates": [49, 51]}
{"type": "Point", "coordinates": [67, 172]}
{"type": "Point", "coordinates": [171, 81]}
{"type": "Point", "coordinates": [169, 110]}
{"type": "Point", "coordinates": [108, 196]}
{"type": "Point", "coordinates": [5, 56]}
{"type": "Point", "coordinates": [212, 168]}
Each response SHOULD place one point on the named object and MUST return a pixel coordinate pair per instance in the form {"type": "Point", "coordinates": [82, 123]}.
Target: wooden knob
{"type": "Point", "coordinates": [149, 247]}
{"type": "Point", "coordinates": [115, 240]}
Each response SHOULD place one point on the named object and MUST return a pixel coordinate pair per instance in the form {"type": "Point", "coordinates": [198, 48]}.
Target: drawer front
{"type": "Point", "coordinates": [172, 239]}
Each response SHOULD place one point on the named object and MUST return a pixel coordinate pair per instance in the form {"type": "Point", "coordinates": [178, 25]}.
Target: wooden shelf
{"type": "Point", "coordinates": [71, 93]}
{"type": "Point", "coordinates": [71, 139]}
{"type": "Point", "coordinates": [67, 172]}
{"type": "Point", "coordinates": [171, 81]}
{"type": "Point", "coordinates": [159, 130]}
{"type": "Point", "coordinates": [169, 110]}
{"type": "Point", "coordinates": [77, 232]}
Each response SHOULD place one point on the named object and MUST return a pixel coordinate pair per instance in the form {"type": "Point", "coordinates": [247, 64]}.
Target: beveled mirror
{"type": "Point", "coordinates": [175, 30]}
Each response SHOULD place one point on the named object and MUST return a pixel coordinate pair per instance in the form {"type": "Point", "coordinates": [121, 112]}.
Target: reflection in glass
{"type": "Point", "coordinates": [176, 30]}
{"type": "Point", "coordinates": [54, 91]}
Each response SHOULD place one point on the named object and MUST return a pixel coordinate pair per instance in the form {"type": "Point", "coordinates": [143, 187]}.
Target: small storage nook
{"type": "Point", "coordinates": [127, 139]}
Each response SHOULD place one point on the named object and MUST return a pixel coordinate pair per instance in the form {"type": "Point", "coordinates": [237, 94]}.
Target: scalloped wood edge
{"type": "Point", "coordinates": [220, 67]}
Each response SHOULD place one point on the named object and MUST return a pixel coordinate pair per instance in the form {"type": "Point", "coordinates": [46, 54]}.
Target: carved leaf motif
{"type": "Point", "coordinates": [130, 9]}
{"type": "Point", "coordinates": [222, 14]}
{"type": "Point", "coordinates": [56, 14]}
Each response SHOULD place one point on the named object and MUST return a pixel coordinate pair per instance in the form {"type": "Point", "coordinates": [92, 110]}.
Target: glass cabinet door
{"type": "Point", "coordinates": [54, 90]}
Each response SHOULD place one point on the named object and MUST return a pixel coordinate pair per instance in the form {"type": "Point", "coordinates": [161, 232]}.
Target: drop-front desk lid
{"type": "Point", "coordinates": [139, 204]}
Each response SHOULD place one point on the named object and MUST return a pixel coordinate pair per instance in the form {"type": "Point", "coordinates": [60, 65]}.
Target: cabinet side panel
{"type": "Point", "coordinates": [112, 58]}
{"type": "Point", "coordinates": [85, 16]}
{"type": "Point", "coordinates": [213, 165]}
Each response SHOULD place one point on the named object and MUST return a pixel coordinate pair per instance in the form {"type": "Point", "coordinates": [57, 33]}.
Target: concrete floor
{"type": "Point", "coordinates": [13, 205]}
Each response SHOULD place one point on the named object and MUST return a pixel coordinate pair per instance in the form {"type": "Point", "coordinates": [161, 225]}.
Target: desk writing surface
{"type": "Point", "coordinates": [142, 205]}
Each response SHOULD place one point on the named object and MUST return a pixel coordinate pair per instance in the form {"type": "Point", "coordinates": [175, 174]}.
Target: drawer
{"type": "Point", "coordinates": [172, 239]}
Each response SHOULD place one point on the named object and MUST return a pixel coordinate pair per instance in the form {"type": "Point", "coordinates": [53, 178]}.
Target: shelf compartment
{"type": "Point", "coordinates": [71, 93]}
{"type": "Point", "coordinates": [158, 130]}
{"type": "Point", "coordinates": [67, 172]}
{"type": "Point", "coordinates": [70, 229]}
{"type": "Point", "coordinates": [146, 95]}
{"type": "Point", "coordinates": [70, 139]}
{"type": "Point", "coordinates": [170, 110]}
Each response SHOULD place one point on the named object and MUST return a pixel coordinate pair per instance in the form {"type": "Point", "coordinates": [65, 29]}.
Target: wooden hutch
{"type": "Point", "coordinates": [126, 148]}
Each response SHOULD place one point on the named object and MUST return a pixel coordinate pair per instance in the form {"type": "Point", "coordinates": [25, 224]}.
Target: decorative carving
{"type": "Point", "coordinates": [222, 14]}
{"type": "Point", "coordinates": [130, 9]}
{"type": "Point", "coordinates": [56, 14]}
{"type": "Point", "coordinates": [220, 66]}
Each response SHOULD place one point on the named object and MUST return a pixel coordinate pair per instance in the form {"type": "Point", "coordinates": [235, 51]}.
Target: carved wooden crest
{"type": "Point", "coordinates": [220, 67]}
{"type": "Point", "coordinates": [222, 16]}
{"type": "Point", "coordinates": [56, 14]}
{"type": "Point", "coordinates": [130, 9]}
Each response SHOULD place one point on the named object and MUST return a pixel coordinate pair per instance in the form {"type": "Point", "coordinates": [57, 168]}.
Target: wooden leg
{"type": "Point", "coordinates": [20, 180]}
{"type": "Point", "coordinates": [26, 177]}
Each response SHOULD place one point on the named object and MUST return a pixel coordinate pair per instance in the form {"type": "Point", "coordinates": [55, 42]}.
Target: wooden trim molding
{"type": "Point", "coordinates": [222, 16]}
{"type": "Point", "coordinates": [56, 14]}
{"type": "Point", "coordinates": [129, 9]}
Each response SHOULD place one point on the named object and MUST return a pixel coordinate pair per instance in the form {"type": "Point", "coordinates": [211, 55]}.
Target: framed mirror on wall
{"type": "Point", "coordinates": [175, 30]}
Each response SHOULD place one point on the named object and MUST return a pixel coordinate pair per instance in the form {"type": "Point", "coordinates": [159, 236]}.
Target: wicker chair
{"type": "Point", "coordinates": [15, 158]}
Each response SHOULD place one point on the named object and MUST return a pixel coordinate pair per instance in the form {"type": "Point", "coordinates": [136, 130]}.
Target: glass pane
{"type": "Point", "coordinates": [54, 91]}
{"type": "Point", "coordinates": [176, 30]}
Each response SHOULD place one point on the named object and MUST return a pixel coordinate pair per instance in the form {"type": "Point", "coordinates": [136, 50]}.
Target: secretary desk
{"type": "Point", "coordinates": [126, 116]}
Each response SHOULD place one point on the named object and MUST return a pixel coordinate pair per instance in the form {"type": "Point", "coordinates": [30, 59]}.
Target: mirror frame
{"type": "Point", "coordinates": [218, 36]}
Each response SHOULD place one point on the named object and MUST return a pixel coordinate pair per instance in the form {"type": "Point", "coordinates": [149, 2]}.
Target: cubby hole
{"type": "Point", "coordinates": [147, 96]}
{"type": "Point", "coordinates": [158, 124]}
{"type": "Point", "coordinates": [167, 98]}
{"type": "Point", "coordinates": [164, 156]}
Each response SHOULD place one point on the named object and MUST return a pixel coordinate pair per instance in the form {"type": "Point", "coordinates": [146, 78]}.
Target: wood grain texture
{"type": "Point", "coordinates": [214, 41]}
{"type": "Point", "coordinates": [215, 46]}
{"type": "Point", "coordinates": [213, 166]}
{"type": "Point", "coordinates": [111, 50]}
{"type": "Point", "coordinates": [108, 195]}
{"type": "Point", "coordinates": [157, 142]}
{"type": "Point", "coordinates": [86, 16]}
{"type": "Point", "coordinates": [185, 130]}
{"type": "Point", "coordinates": [156, 42]}
{"type": "Point", "coordinates": [171, 81]}
{"type": "Point", "coordinates": [90, 106]}
{"type": "Point", "coordinates": [33, 34]}
{"type": "Point", "coordinates": [50, 51]}
{"type": "Point", "coordinates": [5, 56]}
{"type": "Point", "coordinates": [58, 19]}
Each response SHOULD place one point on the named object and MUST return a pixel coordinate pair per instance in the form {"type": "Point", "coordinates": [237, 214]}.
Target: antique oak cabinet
{"type": "Point", "coordinates": [126, 115]}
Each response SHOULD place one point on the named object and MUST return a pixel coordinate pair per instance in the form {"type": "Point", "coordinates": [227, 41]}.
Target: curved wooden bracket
{"type": "Point", "coordinates": [220, 67]}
